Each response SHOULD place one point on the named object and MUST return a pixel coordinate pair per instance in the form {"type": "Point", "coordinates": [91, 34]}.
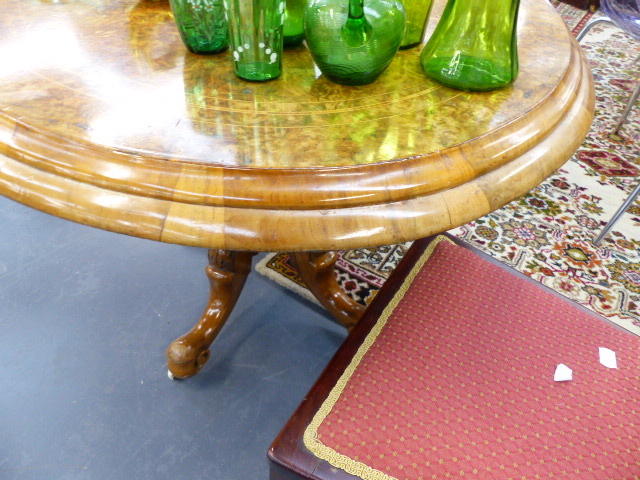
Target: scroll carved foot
{"type": "Point", "coordinates": [227, 272]}
{"type": "Point", "coordinates": [316, 269]}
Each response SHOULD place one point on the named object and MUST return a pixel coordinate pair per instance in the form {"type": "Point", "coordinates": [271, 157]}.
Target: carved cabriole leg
{"type": "Point", "coordinates": [316, 269]}
{"type": "Point", "coordinates": [227, 272]}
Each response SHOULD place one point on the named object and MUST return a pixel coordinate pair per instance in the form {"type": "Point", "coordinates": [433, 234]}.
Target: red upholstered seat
{"type": "Point", "coordinates": [451, 376]}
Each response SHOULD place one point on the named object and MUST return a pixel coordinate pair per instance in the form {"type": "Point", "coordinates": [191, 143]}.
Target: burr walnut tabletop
{"type": "Point", "coordinates": [107, 120]}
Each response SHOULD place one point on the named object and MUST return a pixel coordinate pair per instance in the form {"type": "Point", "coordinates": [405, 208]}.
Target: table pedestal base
{"type": "Point", "coordinates": [227, 272]}
{"type": "Point", "coordinates": [316, 270]}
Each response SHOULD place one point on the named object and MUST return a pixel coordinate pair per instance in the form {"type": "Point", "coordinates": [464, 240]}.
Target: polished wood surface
{"type": "Point", "coordinates": [107, 120]}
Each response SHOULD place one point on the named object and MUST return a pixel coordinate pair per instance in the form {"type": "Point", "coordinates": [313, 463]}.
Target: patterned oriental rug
{"type": "Point", "coordinates": [548, 234]}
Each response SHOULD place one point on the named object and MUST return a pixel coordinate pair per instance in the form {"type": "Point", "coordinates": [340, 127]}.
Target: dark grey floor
{"type": "Point", "coordinates": [85, 317]}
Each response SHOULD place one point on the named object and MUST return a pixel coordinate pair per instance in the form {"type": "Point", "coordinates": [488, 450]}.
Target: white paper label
{"type": "Point", "coordinates": [608, 358]}
{"type": "Point", "coordinates": [563, 373]}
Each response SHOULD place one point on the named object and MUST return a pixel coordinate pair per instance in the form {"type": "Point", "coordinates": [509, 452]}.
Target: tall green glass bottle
{"type": "Point", "coordinates": [255, 34]}
{"type": "Point", "coordinates": [474, 45]}
{"type": "Point", "coordinates": [417, 12]}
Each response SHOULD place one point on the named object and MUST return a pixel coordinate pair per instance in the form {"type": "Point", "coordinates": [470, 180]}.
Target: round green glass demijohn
{"type": "Point", "coordinates": [474, 46]}
{"type": "Point", "coordinates": [353, 41]}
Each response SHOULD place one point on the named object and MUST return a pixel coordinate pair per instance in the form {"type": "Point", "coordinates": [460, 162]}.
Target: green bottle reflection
{"type": "Point", "coordinates": [474, 45]}
{"type": "Point", "coordinates": [352, 44]}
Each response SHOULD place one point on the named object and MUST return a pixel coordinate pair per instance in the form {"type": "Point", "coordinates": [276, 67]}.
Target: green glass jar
{"type": "Point", "coordinates": [293, 29]}
{"type": "Point", "coordinates": [353, 43]}
{"type": "Point", "coordinates": [417, 12]}
{"type": "Point", "coordinates": [474, 45]}
{"type": "Point", "coordinates": [202, 25]}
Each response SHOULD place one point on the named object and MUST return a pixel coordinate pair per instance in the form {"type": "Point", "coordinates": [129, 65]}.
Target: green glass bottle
{"type": "Point", "coordinates": [202, 25]}
{"type": "Point", "coordinates": [255, 31]}
{"type": "Point", "coordinates": [293, 29]}
{"type": "Point", "coordinates": [417, 12]}
{"type": "Point", "coordinates": [352, 44]}
{"type": "Point", "coordinates": [474, 45]}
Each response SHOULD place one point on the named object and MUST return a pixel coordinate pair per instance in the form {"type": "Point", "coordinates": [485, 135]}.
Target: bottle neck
{"type": "Point", "coordinates": [356, 8]}
{"type": "Point", "coordinates": [357, 30]}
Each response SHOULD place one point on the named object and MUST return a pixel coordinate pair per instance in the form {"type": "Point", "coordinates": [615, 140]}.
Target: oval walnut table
{"type": "Point", "coordinates": [107, 120]}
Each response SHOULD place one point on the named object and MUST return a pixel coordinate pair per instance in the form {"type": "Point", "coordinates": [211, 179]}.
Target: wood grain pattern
{"type": "Point", "coordinates": [107, 120]}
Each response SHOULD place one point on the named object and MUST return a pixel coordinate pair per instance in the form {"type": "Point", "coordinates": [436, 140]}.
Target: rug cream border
{"type": "Point", "coordinates": [262, 267]}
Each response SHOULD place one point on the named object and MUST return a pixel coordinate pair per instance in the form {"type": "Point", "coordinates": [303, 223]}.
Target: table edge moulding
{"type": "Point", "coordinates": [168, 199]}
